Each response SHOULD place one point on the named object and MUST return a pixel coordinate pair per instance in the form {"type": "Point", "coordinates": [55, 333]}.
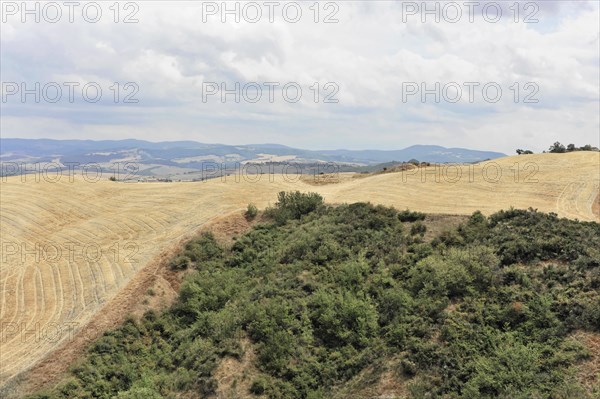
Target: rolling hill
{"type": "Point", "coordinates": [69, 247]}
{"type": "Point", "coordinates": [183, 156]}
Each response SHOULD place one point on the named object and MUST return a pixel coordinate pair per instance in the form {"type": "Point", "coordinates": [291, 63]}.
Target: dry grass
{"type": "Point", "coordinates": [235, 376]}
{"type": "Point", "coordinates": [155, 287]}
{"type": "Point", "coordinates": [38, 295]}
{"type": "Point", "coordinates": [563, 183]}
{"type": "Point", "coordinates": [383, 381]}
{"type": "Point", "coordinates": [327, 178]}
{"type": "Point", "coordinates": [438, 223]}
{"type": "Point", "coordinates": [589, 371]}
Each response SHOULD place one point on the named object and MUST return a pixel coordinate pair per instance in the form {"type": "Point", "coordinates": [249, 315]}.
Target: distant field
{"type": "Point", "coordinates": [566, 184]}
{"type": "Point", "coordinates": [97, 236]}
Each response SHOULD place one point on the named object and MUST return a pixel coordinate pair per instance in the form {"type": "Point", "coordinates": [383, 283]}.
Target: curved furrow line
{"type": "Point", "coordinates": [52, 294]}
{"type": "Point", "coordinates": [81, 283]}
{"type": "Point", "coordinates": [32, 212]}
{"type": "Point", "coordinates": [9, 304]}
{"type": "Point", "coordinates": [9, 223]}
{"type": "Point", "coordinates": [117, 262]}
{"type": "Point", "coordinates": [105, 275]}
{"type": "Point", "coordinates": [13, 292]}
{"type": "Point", "coordinates": [128, 233]}
{"type": "Point", "coordinates": [22, 316]}
{"type": "Point", "coordinates": [20, 295]}
{"type": "Point", "coordinates": [75, 288]}
{"type": "Point", "coordinates": [586, 200]}
{"type": "Point", "coordinates": [576, 200]}
{"type": "Point", "coordinates": [31, 331]}
{"type": "Point", "coordinates": [59, 291]}
{"type": "Point", "coordinates": [91, 292]}
{"type": "Point", "coordinates": [67, 290]}
{"type": "Point", "coordinates": [143, 225]}
{"type": "Point", "coordinates": [40, 288]}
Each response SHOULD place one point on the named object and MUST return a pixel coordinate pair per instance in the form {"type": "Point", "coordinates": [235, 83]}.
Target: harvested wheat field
{"type": "Point", "coordinates": [68, 248]}
{"type": "Point", "coordinates": [567, 184]}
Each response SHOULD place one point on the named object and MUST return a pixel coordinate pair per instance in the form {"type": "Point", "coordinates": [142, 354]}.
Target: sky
{"type": "Point", "coordinates": [316, 75]}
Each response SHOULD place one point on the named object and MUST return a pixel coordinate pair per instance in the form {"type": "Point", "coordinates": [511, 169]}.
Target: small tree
{"type": "Point", "coordinates": [557, 147]}
{"type": "Point", "coordinates": [571, 148]}
{"type": "Point", "coordinates": [410, 216]}
{"type": "Point", "coordinates": [524, 152]}
{"type": "Point", "coordinates": [251, 211]}
{"type": "Point", "coordinates": [112, 178]}
{"type": "Point", "coordinates": [293, 205]}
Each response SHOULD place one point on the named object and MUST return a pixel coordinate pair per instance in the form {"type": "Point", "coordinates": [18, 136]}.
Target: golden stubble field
{"type": "Point", "coordinates": [67, 248]}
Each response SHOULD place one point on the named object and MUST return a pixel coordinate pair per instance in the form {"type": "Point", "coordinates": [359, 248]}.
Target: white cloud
{"type": "Point", "coordinates": [369, 54]}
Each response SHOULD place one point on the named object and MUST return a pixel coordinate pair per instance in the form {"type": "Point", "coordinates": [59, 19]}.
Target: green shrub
{"type": "Point", "coordinates": [343, 319]}
{"type": "Point", "coordinates": [259, 386]}
{"type": "Point", "coordinates": [328, 296]}
{"type": "Point", "coordinates": [418, 229]}
{"type": "Point", "coordinates": [203, 248]}
{"type": "Point", "coordinates": [251, 212]}
{"type": "Point", "coordinates": [180, 262]}
{"type": "Point", "coordinates": [294, 205]}
{"type": "Point", "coordinates": [410, 216]}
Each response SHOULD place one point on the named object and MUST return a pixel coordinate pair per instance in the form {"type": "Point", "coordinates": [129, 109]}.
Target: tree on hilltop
{"type": "Point", "coordinates": [524, 152]}
{"type": "Point", "coordinates": [557, 147]}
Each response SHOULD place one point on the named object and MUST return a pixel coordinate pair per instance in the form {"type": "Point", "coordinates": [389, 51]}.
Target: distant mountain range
{"type": "Point", "coordinates": [176, 157]}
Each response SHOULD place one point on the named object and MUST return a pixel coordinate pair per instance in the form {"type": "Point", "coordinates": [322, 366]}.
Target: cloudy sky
{"type": "Point", "coordinates": [340, 74]}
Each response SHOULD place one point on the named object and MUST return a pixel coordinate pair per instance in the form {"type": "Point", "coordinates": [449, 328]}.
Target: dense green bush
{"type": "Point", "coordinates": [294, 205]}
{"type": "Point", "coordinates": [200, 249]}
{"type": "Point", "coordinates": [410, 216]}
{"type": "Point", "coordinates": [251, 212]}
{"type": "Point", "coordinates": [323, 293]}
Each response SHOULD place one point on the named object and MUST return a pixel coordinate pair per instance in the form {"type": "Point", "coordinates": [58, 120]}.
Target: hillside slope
{"type": "Point", "coordinates": [566, 184]}
{"type": "Point", "coordinates": [69, 247]}
{"type": "Point", "coordinates": [190, 154]}
{"type": "Point", "coordinates": [353, 302]}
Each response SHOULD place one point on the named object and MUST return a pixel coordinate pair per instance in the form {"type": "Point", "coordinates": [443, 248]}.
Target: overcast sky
{"type": "Point", "coordinates": [367, 72]}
